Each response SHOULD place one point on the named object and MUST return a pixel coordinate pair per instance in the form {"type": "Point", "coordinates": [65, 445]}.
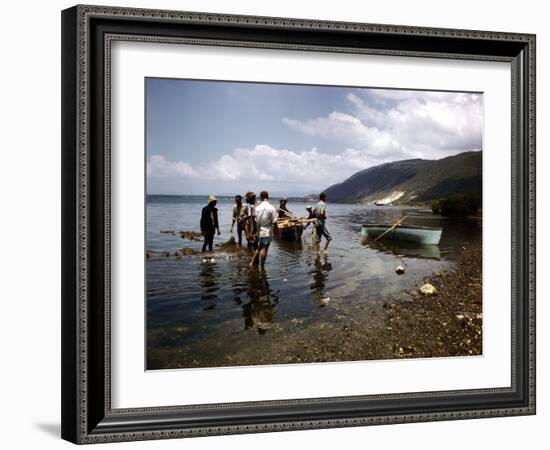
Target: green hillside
{"type": "Point", "coordinates": [413, 180]}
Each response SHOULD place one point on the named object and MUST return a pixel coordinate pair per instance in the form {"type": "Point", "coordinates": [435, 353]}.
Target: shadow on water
{"type": "Point", "coordinates": [259, 312]}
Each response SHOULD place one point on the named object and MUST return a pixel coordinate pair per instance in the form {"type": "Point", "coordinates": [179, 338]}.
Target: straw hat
{"type": "Point", "coordinates": [212, 198]}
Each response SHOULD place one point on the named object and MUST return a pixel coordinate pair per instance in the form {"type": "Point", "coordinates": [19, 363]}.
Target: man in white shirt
{"type": "Point", "coordinates": [266, 216]}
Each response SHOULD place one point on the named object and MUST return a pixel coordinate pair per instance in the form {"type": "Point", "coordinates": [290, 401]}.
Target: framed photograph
{"type": "Point", "coordinates": [280, 224]}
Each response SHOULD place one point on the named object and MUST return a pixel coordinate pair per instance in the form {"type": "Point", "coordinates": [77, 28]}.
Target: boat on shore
{"type": "Point", "coordinates": [289, 229]}
{"type": "Point", "coordinates": [409, 233]}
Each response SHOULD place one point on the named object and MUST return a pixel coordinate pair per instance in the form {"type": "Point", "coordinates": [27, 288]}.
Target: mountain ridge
{"type": "Point", "coordinates": [412, 180]}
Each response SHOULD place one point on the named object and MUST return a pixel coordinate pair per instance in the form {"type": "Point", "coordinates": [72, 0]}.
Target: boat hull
{"type": "Point", "coordinates": [288, 231]}
{"type": "Point", "coordinates": [420, 235]}
{"type": "Point", "coordinates": [291, 235]}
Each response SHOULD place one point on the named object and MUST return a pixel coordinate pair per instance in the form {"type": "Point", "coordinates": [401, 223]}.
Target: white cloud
{"type": "Point", "coordinates": [402, 124]}
{"type": "Point", "coordinates": [159, 166]}
{"type": "Point", "coordinates": [351, 131]}
{"type": "Point", "coordinates": [265, 165]}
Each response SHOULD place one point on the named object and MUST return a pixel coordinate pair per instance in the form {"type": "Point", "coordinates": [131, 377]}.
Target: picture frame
{"type": "Point", "coordinates": [87, 412]}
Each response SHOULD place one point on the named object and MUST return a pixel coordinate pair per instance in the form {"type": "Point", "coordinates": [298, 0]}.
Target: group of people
{"type": "Point", "coordinates": [255, 219]}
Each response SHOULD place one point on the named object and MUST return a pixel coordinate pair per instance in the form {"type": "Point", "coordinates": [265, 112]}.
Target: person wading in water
{"type": "Point", "coordinates": [209, 223]}
{"type": "Point", "coordinates": [311, 214]}
{"type": "Point", "coordinates": [266, 216]}
{"type": "Point", "coordinates": [239, 216]}
{"type": "Point", "coordinates": [321, 227]}
{"type": "Point", "coordinates": [250, 230]}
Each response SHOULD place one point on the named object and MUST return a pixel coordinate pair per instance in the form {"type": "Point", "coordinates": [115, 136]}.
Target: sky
{"type": "Point", "coordinates": [224, 138]}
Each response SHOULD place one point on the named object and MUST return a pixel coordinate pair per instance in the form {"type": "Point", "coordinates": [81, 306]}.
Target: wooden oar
{"type": "Point", "coordinates": [389, 229]}
{"type": "Point", "coordinates": [298, 220]}
{"type": "Point", "coordinates": [288, 212]}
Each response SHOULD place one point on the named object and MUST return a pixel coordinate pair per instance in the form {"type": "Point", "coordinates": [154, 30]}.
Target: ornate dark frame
{"type": "Point", "coordinates": [87, 32]}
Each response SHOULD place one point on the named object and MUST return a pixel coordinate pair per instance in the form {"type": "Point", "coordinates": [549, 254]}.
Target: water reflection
{"type": "Point", "coordinates": [209, 281]}
{"type": "Point", "coordinates": [259, 312]}
{"type": "Point", "coordinates": [320, 271]}
{"type": "Point", "coordinates": [403, 248]}
{"type": "Point", "coordinates": [238, 281]}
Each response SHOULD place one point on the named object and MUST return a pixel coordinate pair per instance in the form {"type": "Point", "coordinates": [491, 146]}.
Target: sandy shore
{"type": "Point", "coordinates": [410, 325]}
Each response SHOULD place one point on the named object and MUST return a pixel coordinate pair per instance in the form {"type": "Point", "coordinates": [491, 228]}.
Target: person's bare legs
{"type": "Point", "coordinates": [327, 242]}
{"type": "Point", "coordinates": [263, 255]}
{"type": "Point", "coordinates": [318, 245]}
{"type": "Point", "coordinates": [255, 257]}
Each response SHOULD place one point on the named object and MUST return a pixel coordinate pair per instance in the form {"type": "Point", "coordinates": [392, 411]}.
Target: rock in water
{"type": "Point", "coordinates": [187, 251]}
{"type": "Point", "coordinates": [428, 289]}
{"type": "Point", "coordinates": [191, 235]}
{"type": "Point", "coordinates": [399, 270]}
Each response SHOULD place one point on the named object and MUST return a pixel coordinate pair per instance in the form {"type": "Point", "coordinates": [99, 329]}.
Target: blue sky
{"type": "Point", "coordinates": [230, 137]}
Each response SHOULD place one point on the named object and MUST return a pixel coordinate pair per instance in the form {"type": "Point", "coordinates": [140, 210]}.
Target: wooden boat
{"type": "Point", "coordinates": [289, 229]}
{"type": "Point", "coordinates": [410, 233]}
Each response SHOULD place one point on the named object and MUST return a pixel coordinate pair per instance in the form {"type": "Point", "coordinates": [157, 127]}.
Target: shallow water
{"type": "Point", "coordinates": [215, 295]}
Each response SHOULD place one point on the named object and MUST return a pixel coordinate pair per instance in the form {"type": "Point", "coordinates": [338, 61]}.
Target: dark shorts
{"type": "Point", "coordinates": [322, 230]}
{"type": "Point", "coordinates": [265, 241]}
{"type": "Point", "coordinates": [208, 240]}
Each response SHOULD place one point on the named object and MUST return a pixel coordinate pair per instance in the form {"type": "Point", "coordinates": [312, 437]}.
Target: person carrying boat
{"type": "Point", "coordinates": [311, 214]}
{"type": "Point", "coordinates": [250, 229]}
{"type": "Point", "coordinates": [209, 223]}
{"type": "Point", "coordinates": [239, 215]}
{"type": "Point", "coordinates": [266, 216]}
{"type": "Point", "coordinates": [284, 213]}
{"type": "Point", "coordinates": [321, 227]}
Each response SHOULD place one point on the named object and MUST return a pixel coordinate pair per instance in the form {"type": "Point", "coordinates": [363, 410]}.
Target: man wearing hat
{"type": "Point", "coordinates": [283, 209]}
{"type": "Point", "coordinates": [209, 223]}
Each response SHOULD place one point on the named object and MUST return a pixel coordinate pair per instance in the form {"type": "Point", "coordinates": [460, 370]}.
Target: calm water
{"type": "Point", "coordinates": [194, 297]}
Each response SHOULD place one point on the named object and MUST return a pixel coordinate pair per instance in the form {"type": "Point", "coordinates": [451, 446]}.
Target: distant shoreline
{"type": "Point", "coordinates": [231, 197]}
{"type": "Point", "coordinates": [305, 199]}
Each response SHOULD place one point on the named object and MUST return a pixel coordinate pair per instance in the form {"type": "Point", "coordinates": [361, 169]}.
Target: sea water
{"type": "Point", "coordinates": [211, 295]}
